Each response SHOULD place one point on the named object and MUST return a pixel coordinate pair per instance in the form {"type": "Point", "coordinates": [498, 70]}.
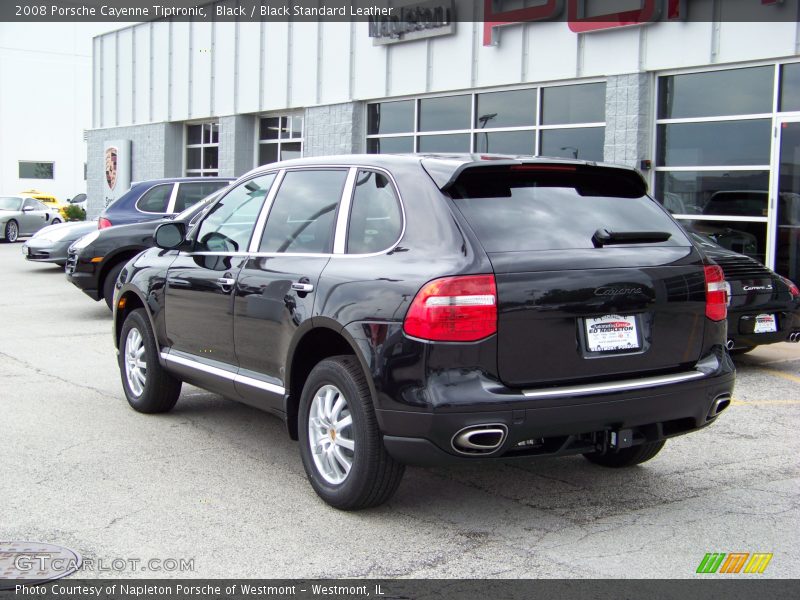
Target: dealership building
{"type": "Point", "coordinates": [708, 110]}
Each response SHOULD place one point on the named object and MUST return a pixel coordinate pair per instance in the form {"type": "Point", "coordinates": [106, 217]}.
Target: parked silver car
{"type": "Point", "coordinates": [51, 243]}
{"type": "Point", "coordinates": [24, 216]}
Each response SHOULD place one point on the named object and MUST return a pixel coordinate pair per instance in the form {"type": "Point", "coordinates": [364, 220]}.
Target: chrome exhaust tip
{"type": "Point", "coordinates": [729, 344]}
{"type": "Point", "coordinates": [480, 439]}
{"type": "Point", "coordinates": [794, 337]}
{"type": "Point", "coordinates": [719, 404]}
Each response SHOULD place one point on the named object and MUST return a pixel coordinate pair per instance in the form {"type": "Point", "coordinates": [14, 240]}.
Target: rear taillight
{"type": "Point", "coordinates": [103, 223]}
{"type": "Point", "coordinates": [716, 293]}
{"type": "Point", "coordinates": [793, 289]}
{"type": "Point", "coordinates": [454, 309]}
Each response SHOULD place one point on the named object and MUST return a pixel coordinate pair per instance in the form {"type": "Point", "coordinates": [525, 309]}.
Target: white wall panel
{"type": "Point", "coordinates": [451, 58]}
{"type": "Point", "coordinates": [276, 64]}
{"type": "Point", "coordinates": [141, 74]}
{"type": "Point", "coordinates": [611, 52]}
{"type": "Point", "coordinates": [125, 76]}
{"type": "Point", "coordinates": [161, 71]}
{"type": "Point", "coordinates": [501, 64]}
{"type": "Point", "coordinates": [677, 45]}
{"type": "Point", "coordinates": [249, 67]}
{"type": "Point", "coordinates": [179, 69]}
{"type": "Point", "coordinates": [109, 54]}
{"type": "Point", "coordinates": [98, 84]}
{"type": "Point", "coordinates": [745, 41]}
{"type": "Point", "coordinates": [224, 68]}
{"type": "Point", "coordinates": [200, 101]}
{"type": "Point", "coordinates": [552, 52]}
{"type": "Point", "coordinates": [303, 50]}
{"type": "Point", "coordinates": [370, 66]}
{"type": "Point", "coordinates": [334, 81]}
{"type": "Point", "coordinates": [407, 68]}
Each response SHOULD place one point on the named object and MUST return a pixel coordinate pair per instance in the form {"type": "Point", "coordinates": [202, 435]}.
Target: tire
{"type": "Point", "coordinates": [159, 391]}
{"type": "Point", "coordinates": [109, 283]}
{"type": "Point", "coordinates": [627, 457]}
{"type": "Point", "coordinates": [11, 233]}
{"type": "Point", "coordinates": [373, 475]}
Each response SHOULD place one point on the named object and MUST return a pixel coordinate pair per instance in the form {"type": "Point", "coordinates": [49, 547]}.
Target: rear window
{"type": "Point", "coordinates": [530, 208]}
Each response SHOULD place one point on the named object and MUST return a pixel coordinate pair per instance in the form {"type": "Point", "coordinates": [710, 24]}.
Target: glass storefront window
{"type": "Point", "coordinates": [280, 138]}
{"type": "Point", "coordinates": [718, 143]}
{"type": "Point", "coordinates": [390, 117]}
{"type": "Point", "coordinates": [515, 108]}
{"type": "Point", "coordinates": [585, 143]}
{"type": "Point", "coordinates": [453, 142]}
{"type": "Point", "coordinates": [505, 142]}
{"type": "Point", "coordinates": [570, 104]}
{"type": "Point", "coordinates": [202, 150]}
{"type": "Point", "coordinates": [445, 113]}
{"type": "Point", "coordinates": [717, 93]}
{"type": "Point", "coordinates": [390, 145]}
{"type": "Point", "coordinates": [718, 193]}
{"type": "Point", "coordinates": [790, 87]}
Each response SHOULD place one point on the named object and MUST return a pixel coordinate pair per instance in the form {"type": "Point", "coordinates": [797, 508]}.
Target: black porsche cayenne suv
{"type": "Point", "coordinates": [426, 310]}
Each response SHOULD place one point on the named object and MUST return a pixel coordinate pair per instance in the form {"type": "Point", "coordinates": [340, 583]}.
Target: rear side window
{"type": "Point", "coordinates": [302, 216]}
{"type": "Point", "coordinates": [192, 193]}
{"type": "Point", "coordinates": [375, 216]}
{"type": "Point", "coordinates": [525, 208]}
{"type": "Point", "coordinates": [156, 199]}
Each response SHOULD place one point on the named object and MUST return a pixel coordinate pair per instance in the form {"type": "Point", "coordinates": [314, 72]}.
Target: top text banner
{"type": "Point", "coordinates": [582, 15]}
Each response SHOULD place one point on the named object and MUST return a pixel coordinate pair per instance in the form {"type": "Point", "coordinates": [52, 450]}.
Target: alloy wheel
{"type": "Point", "coordinates": [12, 231]}
{"type": "Point", "coordinates": [330, 434]}
{"type": "Point", "coordinates": [135, 365]}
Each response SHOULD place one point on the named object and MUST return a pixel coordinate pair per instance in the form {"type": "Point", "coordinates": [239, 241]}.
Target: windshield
{"type": "Point", "coordinates": [195, 209]}
{"type": "Point", "coordinates": [10, 203]}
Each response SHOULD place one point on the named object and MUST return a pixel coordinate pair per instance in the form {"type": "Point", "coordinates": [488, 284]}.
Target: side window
{"type": "Point", "coordinates": [41, 206]}
{"type": "Point", "coordinates": [302, 216]}
{"type": "Point", "coordinates": [192, 193]}
{"type": "Point", "coordinates": [29, 203]}
{"type": "Point", "coordinates": [156, 199]}
{"type": "Point", "coordinates": [375, 216]}
{"type": "Point", "coordinates": [228, 224]}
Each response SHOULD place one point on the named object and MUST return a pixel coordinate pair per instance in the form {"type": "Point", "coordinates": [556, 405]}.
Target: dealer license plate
{"type": "Point", "coordinates": [765, 324]}
{"type": "Point", "coordinates": [612, 332]}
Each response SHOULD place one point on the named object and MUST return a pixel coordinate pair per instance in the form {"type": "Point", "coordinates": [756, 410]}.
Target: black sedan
{"type": "Point", "coordinates": [95, 260]}
{"type": "Point", "coordinates": [764, 307]}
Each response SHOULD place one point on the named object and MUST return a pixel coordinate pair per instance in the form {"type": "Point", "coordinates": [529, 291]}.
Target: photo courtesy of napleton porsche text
{"type": "Point", "coordinates": [400, 298]}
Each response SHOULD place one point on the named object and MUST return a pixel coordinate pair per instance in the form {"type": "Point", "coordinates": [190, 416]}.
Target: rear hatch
{"type": "Point", "coordinates": [594, 279]}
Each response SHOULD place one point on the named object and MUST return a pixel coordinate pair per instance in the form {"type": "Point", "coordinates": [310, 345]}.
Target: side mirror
{"type": "Point", "coordinates": [27, 209]}
{"type": "Point", "coordinates": [170, 235]}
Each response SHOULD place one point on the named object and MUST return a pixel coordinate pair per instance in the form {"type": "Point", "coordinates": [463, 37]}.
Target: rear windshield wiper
{"type": "Point", "coordinates": [604, 237]}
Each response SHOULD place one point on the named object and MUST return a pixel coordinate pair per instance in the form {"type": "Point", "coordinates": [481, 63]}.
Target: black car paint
{"type": "Point", "coordinates": [424, 392]}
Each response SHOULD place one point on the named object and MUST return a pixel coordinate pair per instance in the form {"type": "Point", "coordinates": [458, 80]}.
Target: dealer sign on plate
{"type": "Point", "coordinates": [612, 332]}
{"type": "Point", "coordinates": [765, 324]}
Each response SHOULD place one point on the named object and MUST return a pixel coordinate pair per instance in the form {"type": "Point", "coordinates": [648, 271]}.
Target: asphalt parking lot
{"type": "Point", "coordinates": [220, 483]}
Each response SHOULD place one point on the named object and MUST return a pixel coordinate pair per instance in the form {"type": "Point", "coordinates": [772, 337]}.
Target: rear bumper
{"type": "Point", "coordinates": [551, 426]}
{"type": "Point", "coordinates": [740, 327]}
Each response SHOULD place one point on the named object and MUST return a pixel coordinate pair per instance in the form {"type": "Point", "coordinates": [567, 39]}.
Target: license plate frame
{"type": "Point", "coordinates": [765, 323]}
{"type": "Point", "coordinates": [612, 334]}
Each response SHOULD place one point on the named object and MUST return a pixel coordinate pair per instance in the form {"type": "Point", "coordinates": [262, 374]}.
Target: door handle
{"type": "Point", "coordinates": [302, 287]}
{"type": "Point", "coordinates": [226, 281]}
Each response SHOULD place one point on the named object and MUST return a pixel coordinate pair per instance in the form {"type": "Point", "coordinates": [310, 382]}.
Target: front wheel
{"type": "Point", "coordinates": [11, 232]}
{"type": "Point", "coordinates": [627, 457]}
{"type": "Point", "coordinates": [340, 443]}
{"type": "Point", "coordinates": [148, 387]}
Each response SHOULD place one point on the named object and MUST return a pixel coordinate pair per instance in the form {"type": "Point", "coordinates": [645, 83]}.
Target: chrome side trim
{"type": "Point", "coordinates": [343, 216]}
{"type": "Point", "coordinates": [613, 386]}
{"type": "Point", "coordinates": [223, 374]}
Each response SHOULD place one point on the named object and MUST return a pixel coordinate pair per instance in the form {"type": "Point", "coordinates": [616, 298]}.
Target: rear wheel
{"type": "Point", "coordinates": [109, 284]}
{"type": "Point", "coordinates": [626, 457]}
{"type": "Point", "coordinates": [55, 222]}
{"type": "Point", "coordinates": [340, 443]}
{"type": "Point", "coordinates": [148, 387]}
{"type": "Point", "coordinates": [12, 231]}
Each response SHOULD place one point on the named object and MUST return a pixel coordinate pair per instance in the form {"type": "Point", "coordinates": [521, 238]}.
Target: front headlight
{"type": "Point", "coordinates": [81, 243]}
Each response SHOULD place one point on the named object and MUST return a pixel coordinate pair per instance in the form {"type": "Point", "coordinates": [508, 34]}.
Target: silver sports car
{"type": "Point", "coordinates": [24, 216]}
{"type": "Point", "coordinates": [51, 243]}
